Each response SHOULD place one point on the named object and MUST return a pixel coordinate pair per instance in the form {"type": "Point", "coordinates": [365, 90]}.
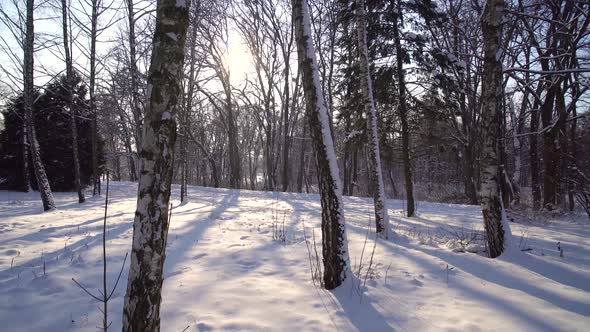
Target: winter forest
{"type": "Point", "coordinates": [295, 165]}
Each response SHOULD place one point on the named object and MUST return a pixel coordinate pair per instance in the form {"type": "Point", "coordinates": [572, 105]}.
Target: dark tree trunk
{"type": "Point", "coordinates": [209, 158]}
{"type": "Point", "coordinates": [403, 112]}
{"type": "Point", "coordinates": [133, 73]}
{"type": "Point", "coordinates": [70, 103]}
{"type": "Point", "coordinates": [234, 155]}
{"type": "Point", "coordinates": [347, 162]}
{"type": "Point", "coordinates": [469, 174]}
{"type": "Point", "coordinates": [550, 152]}
{"type": "Point", "coordinates": [286, 138]}
{"type": "Point", "coordinates": [534, 160]}
{"type": "Point", "coordinates": [183, 162]}
{"type": "Point", "coordinates": [129, 149]}
{"type": "Point", "coordinates": [186, 115]}
{"type": "Point", "coordinates": [301, 174]}
{"type": "Point", "coordinates": [562, 146]}
{"type": "Point", "coordinates": [393, 187]}
{"type": "Point", "coordinates": [573, 152]}
{"type": "Point", "coordinates": [269, 183]}
{"type": "Point", "coordinates": [91, 88]}
{"type": "Point", "coordinates": [355, 173]}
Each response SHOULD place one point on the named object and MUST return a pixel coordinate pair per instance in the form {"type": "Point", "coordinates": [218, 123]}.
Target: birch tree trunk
{"type": "Point", "coordinates": [403, 114]}
{"type": "Point", "coordinates": [334, 243]}
{"type": "Point", "coordinates": [381, 216]}
{"type": "Point", "coordinates": [491, 203]}
{"type": "Point", "coordinates": [70, 102]}
{"type": "Point", "coordinates": [29, 49]}
{"type": "Point", "coordinates": [141, 311]}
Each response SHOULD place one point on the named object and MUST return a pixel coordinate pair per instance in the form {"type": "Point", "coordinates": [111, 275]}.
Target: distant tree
{"type": "Point", "coordinates": [555, 32]}
{"type": "Point", "coordinates": [136, 105]}
{"type": "Point", "coordinates": [452, 68]}
{"type": "Point", "coordinates": [213, 34]}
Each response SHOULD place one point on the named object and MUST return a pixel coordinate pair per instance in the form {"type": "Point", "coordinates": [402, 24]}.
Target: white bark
{"type": "Point", "coordinates": [141, 311]}
{"type": "Point", "coordinates": [40, 174]}
{"type": "Point", "coordinates": [497, 229]}
{"type": "Point", "coordinates": [334, 241]}
{"type": "Point", "coordinates": [381, 216]}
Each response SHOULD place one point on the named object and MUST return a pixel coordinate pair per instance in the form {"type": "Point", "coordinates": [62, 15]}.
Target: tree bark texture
{"type": "Point", "coordinates": [34, 150]}
{"type": "Point", "coordinates": [141, 310]}
{"type": "Point", "coordinates": [334, 243]}
{"type": "Point", "coordinates": [490, 171]}
{"type": "Point", "coordinates": [379, 199]}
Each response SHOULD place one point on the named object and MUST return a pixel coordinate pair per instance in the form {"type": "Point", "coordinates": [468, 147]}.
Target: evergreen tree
{"type": "Point", "coordinates": [53, 131]}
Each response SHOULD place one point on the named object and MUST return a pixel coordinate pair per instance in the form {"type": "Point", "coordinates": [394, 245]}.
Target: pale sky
{"type": "Point", "coordinates": [48, 63]}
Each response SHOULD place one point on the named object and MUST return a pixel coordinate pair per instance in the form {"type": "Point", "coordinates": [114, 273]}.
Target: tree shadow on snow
{"type": "Point", "coordinates": [181, 243]}
{"type": "Point", "coordinates": [475, 265]}
{"type": "Point", "coordinates": [359, 310]}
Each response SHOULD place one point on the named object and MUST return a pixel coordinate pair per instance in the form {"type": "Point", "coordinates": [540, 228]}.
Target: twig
{"type": "Point", "coordinates": [104, 257]}
{"type": "Point", "coordinates": [370, 261]}
{"type": "Point", "coordinates": [308, 253]}
{"type": "Point", "coordinates": [386, 272]}
{"type": "Point", "coordinates": [87, 292]}
{"type": "Point", "coordinates": [118, 277]}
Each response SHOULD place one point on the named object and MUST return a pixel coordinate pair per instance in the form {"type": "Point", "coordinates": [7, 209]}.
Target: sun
{"type": "Point", "coordinates": [238, 58]}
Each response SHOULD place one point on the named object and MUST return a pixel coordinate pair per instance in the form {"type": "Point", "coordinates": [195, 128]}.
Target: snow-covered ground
{"type": "Point", "coordinates": [224, 271]}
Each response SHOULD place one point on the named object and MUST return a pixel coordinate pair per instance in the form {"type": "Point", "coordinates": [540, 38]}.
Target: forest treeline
{"type": "Point", "coordinates": [426, 62]}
